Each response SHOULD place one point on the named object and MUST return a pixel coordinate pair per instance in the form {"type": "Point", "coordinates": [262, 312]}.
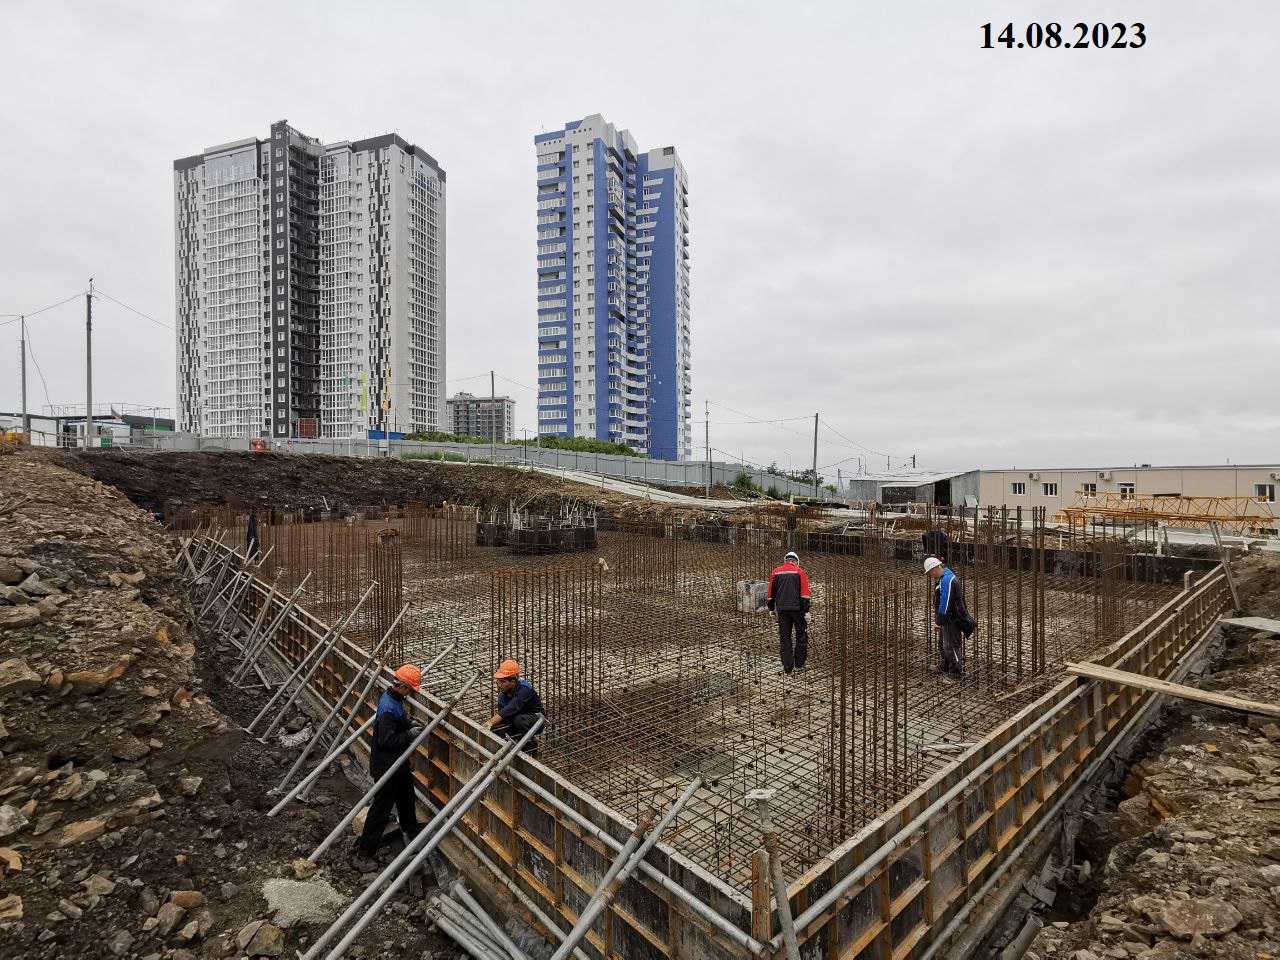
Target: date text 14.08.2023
{"type": "Point", "coordinates": [1056, 36]}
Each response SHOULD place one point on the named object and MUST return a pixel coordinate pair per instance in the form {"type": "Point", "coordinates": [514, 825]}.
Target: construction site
{"type": "Point", "coordinates": [866, 805]}
{"type": "Point", "coordinates": [653, 669]}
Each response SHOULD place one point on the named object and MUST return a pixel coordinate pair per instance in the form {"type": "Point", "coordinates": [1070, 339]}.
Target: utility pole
{"type": "Point", "coordinates": [706, 430]}
{"type": "Point", "coordinates": [88, 366]}
{"type": "Point", "coordinates": [815, 456]}
{"type": "Point", "coordinates": [493, 421]}
{"type": "Point", "coordinates": [22, 347]}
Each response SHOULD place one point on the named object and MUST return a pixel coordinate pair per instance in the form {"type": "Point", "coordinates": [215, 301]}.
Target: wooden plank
{"type": "Point", "coordinates": [1265, 624]}
{"type": "Point", "coordinates": [761, 897]}
{"type": "Point", "coordinates": [1111, 675]}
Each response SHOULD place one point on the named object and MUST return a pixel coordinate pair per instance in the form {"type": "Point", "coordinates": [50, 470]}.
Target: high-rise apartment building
{"type": "Point", "coordinates": [613, 290]}
{"type": "Point", "coordinates": [493, 418]}
{"type": "Point", "coordinates": [310, 287]}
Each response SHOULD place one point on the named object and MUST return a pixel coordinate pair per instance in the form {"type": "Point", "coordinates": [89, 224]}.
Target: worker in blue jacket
{"type": "Point", "coordinates": [393, 732]}
{"type": "Point", "coordinates": [950, 616]}
{"type": "Point", "coordinates": [519, 706]}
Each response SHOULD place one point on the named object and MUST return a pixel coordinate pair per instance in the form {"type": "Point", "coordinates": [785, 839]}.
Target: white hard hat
{"type": "Point", "coordinates": [792, 555]}
{"type": "Point", "coordinates": [930, 563]}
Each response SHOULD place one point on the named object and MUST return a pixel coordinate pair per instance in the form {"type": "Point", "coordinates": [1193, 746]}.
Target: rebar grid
{"type": "Point", "coordinates": [651, 672]}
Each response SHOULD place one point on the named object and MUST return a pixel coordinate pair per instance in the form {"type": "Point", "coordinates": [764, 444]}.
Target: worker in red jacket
{"type": "Point", "coordinates": [788, 597]}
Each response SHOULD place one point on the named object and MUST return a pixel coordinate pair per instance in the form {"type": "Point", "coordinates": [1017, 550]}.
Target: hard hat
{"type": "Point", "coordinates": [792, 555]}
{"type": "Point", "coordinates": [507, 670]}
{"type": "Point", "coordinates": [930, 563]}
{"type": "Point", "coordinates": [410, 676]}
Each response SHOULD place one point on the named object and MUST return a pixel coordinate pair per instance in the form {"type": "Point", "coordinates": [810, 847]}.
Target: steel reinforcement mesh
{"type": "Point", "coordinates": [654, 663]}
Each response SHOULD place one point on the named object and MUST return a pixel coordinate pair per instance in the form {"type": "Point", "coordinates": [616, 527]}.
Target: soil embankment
{"type": "Point", "coordinates": [171, 482]}
{"type": "Point", "coordinates": [131, 802]}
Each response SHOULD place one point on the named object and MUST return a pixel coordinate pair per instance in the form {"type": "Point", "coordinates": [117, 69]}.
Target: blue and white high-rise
{"type": "Point", "coordinates": [613, 290]}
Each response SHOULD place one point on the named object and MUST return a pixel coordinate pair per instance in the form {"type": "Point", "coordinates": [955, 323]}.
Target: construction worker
{"type": "Point", "coordinates": [950, 616]}
{"type": "Point", "coordinates": [788, 597]}
{"type": "Point", "coordinates": [519, 706]}
{"type": "Point", "coordinates": [252, 544]}
{"type": "Point", "coordinates": [392, 734]}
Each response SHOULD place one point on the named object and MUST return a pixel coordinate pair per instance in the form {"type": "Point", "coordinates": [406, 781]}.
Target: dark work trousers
{"type": "Point", "coordinates": [396, 792]}
{"type": "Point", "coordinates": [518, 726]}
{"type": "Point", "coordinates": [951, 649]}
{"type": "Point", "coordinates": [789, 620]}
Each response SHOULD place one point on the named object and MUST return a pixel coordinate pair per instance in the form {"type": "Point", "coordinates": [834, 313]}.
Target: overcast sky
{"type": "Point", "coordinates": [983, 257]}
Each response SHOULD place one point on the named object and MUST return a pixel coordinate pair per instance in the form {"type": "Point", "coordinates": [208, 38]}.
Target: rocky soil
{"type": "Point", "coordinates": [1187, 864]}
{"type": "Point", "coordinates": [131, 802]}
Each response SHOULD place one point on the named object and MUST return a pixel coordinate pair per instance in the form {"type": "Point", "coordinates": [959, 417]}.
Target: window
{"type": "Point", "coordinates": [1017, 489]}
{"type": "Point", "coordinates": [1265, 492]}
{"type": "Point", "coordinates": [1088, 489]}
{"type": "Point", "coordinates": [1126, 491]}
{"type": "Point", "coordinates": [1049, 489]}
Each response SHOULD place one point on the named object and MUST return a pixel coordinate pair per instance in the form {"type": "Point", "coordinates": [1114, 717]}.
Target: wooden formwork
{"type": "Point", "coordinates": [904, 884]}
{"type": "Point", "coordinates": [901, 888]}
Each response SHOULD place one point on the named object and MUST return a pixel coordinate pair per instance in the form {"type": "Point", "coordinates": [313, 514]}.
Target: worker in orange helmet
{"type": "Point", "coordinates": [392, 735]}
{"type": "Point", "coordinates": [519, 706]}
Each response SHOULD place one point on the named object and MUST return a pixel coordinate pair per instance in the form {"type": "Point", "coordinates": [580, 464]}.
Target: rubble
{"type": "Point", "coordinates": [1192, 864]}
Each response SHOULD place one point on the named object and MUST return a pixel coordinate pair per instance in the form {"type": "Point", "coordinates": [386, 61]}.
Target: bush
{"type": "Point", "coordinates": [743, 484]}
{"type": "Point", "coordinates": [437, 436]}
{"type": "Point", "coordinates": [584, 445]}
{"type": "Point", "coordinates": [773, 492]}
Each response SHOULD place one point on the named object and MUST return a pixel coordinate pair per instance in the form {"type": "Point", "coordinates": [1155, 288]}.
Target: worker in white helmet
{"type": "Point", "coordinates": [950, 616]}
{"type": "Point", "coordinates": [788, 597]}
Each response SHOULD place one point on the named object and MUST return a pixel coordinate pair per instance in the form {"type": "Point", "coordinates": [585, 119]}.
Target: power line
{"type": "Point", "coordinates": [35, 313]}
{"type": "Point", "coordinates": [524, 386]}
{"type": "Point", "coordinates": [860, 446]}
{"type": "Point", "coordinates": [43, 382]}
{"type": "Point", "coordinates": [159, 323]}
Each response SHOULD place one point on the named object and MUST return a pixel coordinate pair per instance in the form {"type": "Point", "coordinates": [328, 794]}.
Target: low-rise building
{"type": "Point", "coordinates": [1055, 487]}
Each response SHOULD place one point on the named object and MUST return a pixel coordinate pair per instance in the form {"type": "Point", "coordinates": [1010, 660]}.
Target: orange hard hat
{"type": "Point", "coordinates": [410, 676]}
{"type": "Point", "coordinates": [507, 670]}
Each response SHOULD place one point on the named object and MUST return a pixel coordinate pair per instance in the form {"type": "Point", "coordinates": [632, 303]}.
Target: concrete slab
{"type": "Point", "coordinates": [1265, 624]}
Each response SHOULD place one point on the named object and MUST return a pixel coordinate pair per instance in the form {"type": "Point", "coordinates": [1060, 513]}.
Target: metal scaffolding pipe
{"type": "Point", "coordinates": [469, 902]}
{"type": "Point", "coordinates": [217, 587]}
{"type": "Point", "coordinates": [251, 656]}
{"type": "Point", "coordinates": [318, 852]}
{"type": "Point", "coordinates": [460, 936]}
{"type": "Point", "coordinates": [311, 777]}
{"type": "Point", "coordinates": [621, 869]}
{"type": "Point", "coordinates": [419, 848]}
{"type": "Point", "coordinates": [251, 641]}
{"type": "Point", "coordinates": [342, 699]}
{"type": "Point", "coordinates": [243, 579]}
{"type": "Point", "coordinates": [479, 931]}
{"type": "Point", "coordinates": [210, 557]}
{"type": "Point", "coordinates": [311, 659]}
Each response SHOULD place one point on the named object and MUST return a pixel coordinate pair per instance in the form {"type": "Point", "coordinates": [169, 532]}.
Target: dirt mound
{"type": "Point", "coordinates": [169, 482]}
{"type": "Point", "coordinates": [1258, 578]}
{"type": "Point", "coordinates": [130, 801]}
{"type": "Point", "coordinates": [1190, 866]}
